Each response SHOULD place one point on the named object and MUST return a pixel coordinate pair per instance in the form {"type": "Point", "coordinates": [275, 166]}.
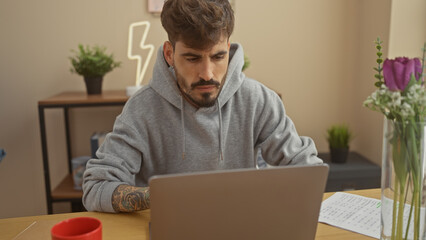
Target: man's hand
{"type": "Point", "coordinates": [126, 198]}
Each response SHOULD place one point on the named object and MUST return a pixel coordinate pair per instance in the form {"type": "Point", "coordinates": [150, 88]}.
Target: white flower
{"type": "Point", "coordinates": [407, 110]}
{"type": "Point", "coordinates": [396, 99]}
{"type": "Point", "coordinates": [374, 96]}
{"type": "Point", "coordinates": [368, 101]}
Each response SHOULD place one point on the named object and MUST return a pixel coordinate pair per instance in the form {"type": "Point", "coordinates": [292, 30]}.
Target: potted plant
{"type": "Point", "coordinates": [338, 137]}
{"type": "Point", "coordinates": [246, 63]}
{"type": "Point", "coordinates": [92, 63]}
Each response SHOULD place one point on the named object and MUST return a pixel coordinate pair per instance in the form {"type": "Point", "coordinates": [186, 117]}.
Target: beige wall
{"type": "Point", "coordinates": [407, 29]}
{"type": "Point", "coordinates": [404, 36]}
{"type": "Point", "coordinates": [318, 54]}
{"type": "Point", "coordinates": [373, 20]}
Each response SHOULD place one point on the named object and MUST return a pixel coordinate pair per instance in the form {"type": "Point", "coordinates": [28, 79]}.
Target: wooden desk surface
{"type": "Point", "coordinates": [135, 225]}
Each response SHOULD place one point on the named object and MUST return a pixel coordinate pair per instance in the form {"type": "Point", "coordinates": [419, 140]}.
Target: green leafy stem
{"type": "Point", "coordinates": [379, 61]}
{"type": "Point", "coordinates": [408, 176]}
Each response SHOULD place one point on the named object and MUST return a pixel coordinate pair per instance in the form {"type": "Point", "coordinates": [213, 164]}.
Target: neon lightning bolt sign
{"type": "Point", "coordinates": [140, 74]}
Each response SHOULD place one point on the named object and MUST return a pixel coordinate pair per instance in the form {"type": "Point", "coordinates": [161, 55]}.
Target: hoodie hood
{"type": "Point", "coordinates": [165, 84]}
{"type": "Point", "coordinates": [164, 80]}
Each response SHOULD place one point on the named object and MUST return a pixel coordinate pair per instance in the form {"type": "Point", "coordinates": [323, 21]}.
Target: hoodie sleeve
{"type": "Point", "coordinates": [278, 139]}
{"type": "Point", "coordinates": [118, 162]}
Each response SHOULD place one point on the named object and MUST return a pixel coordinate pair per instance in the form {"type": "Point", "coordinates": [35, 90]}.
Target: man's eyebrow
{"type": "Point", "coordinates": [220, 53]}
{"type": "Point", "coordinates": [190, 55]}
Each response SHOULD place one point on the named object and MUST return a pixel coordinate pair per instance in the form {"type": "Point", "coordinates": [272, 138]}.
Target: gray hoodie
{"type": "Point", "coordinates": [159, 132]}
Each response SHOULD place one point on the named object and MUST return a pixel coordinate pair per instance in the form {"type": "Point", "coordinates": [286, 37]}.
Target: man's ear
{"type": "Point", "coordinates": [168, 52]}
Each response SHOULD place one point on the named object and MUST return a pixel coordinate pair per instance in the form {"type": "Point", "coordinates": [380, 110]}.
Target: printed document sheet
{"type": "Point", "coordinates": [352, 212]}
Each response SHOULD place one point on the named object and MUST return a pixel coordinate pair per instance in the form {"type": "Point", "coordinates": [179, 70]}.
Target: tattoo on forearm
{"type": "Point", "coordinates": [127, 198]}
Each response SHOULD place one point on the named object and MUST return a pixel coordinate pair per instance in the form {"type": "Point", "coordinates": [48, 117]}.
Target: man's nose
{"type": "Point", "coordinates": [206, 70]}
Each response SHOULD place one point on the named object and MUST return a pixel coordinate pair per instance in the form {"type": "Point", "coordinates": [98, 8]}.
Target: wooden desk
{"type": "Point", "coordinates": [135, 225]}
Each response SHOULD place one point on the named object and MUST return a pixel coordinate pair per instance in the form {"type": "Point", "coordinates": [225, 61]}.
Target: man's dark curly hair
{"type": "Point", "coordinates": [199, 24]}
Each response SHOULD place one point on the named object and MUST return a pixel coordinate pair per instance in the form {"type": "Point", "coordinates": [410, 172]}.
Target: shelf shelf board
{"type": "Point", "coordinates": [65, 190]}
{"type": "Point", "coordinates": [82, 98]}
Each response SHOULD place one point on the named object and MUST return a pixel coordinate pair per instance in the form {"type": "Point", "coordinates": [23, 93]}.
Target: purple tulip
{"type": "Point", "coordinates": [397, 73]}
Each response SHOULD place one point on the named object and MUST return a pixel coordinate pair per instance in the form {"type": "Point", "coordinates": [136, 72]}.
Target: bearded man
{"type": "Point", "coordinates": [198, 113]}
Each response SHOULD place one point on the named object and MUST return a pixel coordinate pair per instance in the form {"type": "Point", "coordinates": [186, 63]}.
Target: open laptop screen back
{"type": "Point", "coordinates": [273, 203]}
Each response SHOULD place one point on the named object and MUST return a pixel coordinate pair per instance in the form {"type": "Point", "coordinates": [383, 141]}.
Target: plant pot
{"type": "Point", "coordinates": [339, 155]}
{"type": "Point", "coordinates": [93, 84]}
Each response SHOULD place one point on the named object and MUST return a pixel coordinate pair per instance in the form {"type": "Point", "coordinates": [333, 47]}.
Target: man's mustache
{"type": "Point", "coordinates": [203, 82]}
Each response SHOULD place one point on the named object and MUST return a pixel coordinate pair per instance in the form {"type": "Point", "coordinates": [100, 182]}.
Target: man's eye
{"type": "Point", "coordinates": [219, 57]}
{"type": "Point", "coordinates": [192, 59]}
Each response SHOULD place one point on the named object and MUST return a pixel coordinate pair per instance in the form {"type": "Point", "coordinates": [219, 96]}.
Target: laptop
{"type": "Point", "coordinates": [250, 204]}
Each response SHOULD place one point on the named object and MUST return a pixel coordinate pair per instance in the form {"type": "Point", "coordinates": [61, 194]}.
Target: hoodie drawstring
{"type": "Point", "coordinates": [220, 130]}
{"type": "Point", "coordinates": [183, 126]}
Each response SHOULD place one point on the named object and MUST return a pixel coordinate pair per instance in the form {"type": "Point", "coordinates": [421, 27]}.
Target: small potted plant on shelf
{"type": "Point", "coordinates": [338, 137]}
{"type": "Point", "coordinates": [92, 63]}
{"type": "Point", "coordinates": [246, 63]}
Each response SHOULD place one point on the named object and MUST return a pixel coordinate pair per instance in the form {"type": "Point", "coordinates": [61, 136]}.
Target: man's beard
{"type": "Point", "coordinates": [207, 99]}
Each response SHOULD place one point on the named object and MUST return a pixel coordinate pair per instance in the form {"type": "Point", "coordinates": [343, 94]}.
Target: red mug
{"type": "Point", "coordinates": [79, 228]}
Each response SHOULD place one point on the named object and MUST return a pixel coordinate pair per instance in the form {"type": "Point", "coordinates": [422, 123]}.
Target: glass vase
{"type": "Point", "coordinates": [403, 180]}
